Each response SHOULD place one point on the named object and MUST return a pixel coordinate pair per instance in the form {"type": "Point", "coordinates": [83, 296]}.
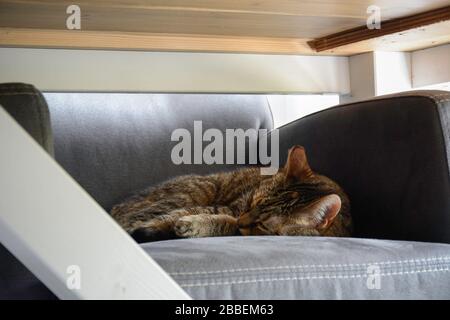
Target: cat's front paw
{"type": "Point", "coordinates": [191, 227]}
{"type": "Point", "coordinates": [148, 234]}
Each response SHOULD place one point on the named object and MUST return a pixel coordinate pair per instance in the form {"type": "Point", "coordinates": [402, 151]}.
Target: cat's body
{"type": "Point", "coordinates": [295, 201]}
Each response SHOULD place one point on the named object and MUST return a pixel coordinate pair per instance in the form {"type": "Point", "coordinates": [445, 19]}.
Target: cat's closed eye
{"type": "Point", "coordinates": [295, 195]}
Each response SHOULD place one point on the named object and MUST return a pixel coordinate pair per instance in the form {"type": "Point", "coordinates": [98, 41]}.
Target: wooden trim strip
{"type": "Point", "coordinates": [76, 39]}
{"type": "Point", "coordinates": [387, 27]}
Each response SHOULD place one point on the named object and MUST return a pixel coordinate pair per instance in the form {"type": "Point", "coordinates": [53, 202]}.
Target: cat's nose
{"type": "Point", "coordinates": [253, 231]}
{"type": "Point", "coordinates": [246, 220]}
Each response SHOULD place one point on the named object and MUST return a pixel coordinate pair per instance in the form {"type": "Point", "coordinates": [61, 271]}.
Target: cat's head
{"type": "Point", "coordinates": [297, 201]}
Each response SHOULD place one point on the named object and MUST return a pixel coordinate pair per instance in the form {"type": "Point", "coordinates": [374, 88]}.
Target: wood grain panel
{"type": "Point", "coordinates": [263, 26]}
{"type": "Point", "coordinates": [151, 42]}
{"type": "Point", "coordinates": [329, 8]}
{"type": "Point", "coordinates": [414, 39]}
{"type": "Point", "coordinates": [264, 18]}
{"type": "Point", "coordinates": [159, 20]}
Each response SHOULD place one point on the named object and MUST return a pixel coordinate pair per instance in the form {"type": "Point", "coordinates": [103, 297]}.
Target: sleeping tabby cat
{"type": "Point", "coordinates": [296, 201]}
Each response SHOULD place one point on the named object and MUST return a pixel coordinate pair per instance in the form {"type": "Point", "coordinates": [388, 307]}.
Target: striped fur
{"type": "Point", "coordinates": [295, 201]}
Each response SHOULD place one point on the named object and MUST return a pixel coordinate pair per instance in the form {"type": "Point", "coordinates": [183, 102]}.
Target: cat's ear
{"type": "Point", "coordinates": [297, 165]}
{"type": "Point", "coordinates": [322, 213]}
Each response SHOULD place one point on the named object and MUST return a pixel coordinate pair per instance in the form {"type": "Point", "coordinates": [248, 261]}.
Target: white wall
{"type": "Point", "coordinates": [96, 70]}
{"type": "Point", "coordinates": [367, 74]}
{"type": "Point", "coordinates": [431, 66]}
{"type": "Point", "coordinates": [287, 108]}
{"type": "Point", "coordinates": [403, 71]}
{"type": "Point", "coordinates": [382, 72]}
{"type": "Point", "coordinates": [392, 72]}
{"type": "Point", "coordinates": [362, 77]}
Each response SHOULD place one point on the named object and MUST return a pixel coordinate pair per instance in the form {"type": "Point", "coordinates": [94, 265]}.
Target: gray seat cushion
{"type": "Point", "coordinates": [305, 268]}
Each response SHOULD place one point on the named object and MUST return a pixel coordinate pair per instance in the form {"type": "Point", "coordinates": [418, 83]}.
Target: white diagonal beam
{"type": "Point", "coordinates": [50, 223]}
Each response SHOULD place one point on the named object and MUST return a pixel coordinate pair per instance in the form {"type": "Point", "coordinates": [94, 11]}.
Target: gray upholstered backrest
{"type": "Point", "coordinates": [115, 144]}
{"type": "Point", "coordinates": [391, 154]}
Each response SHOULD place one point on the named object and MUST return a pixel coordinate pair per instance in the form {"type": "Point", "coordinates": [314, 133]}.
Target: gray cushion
{"type": "Point", "coordinates": [305, 268]}
{"type": "Point", "coordinates": [115, 144]}
{"type": "Point", "coordinates": [28, 107]}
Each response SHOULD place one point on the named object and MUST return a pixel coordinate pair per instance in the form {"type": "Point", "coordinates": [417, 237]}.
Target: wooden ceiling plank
{"type": "Point", "coordinates": [10, 37]}
{"type": "Point", "coordinates": [414, 39]}
{"type": "Point", "coordinates": [328, 8]}
{"type": "Point", "coordinates": [262, 18]}
{"type": "Point", "coordinates": [15, 14]}
{"type": "Point", "coordinates": [166, 27]}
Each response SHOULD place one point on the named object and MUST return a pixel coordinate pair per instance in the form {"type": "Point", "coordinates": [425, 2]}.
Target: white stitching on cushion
{"type": "Point", "coordinates": [441, 259]}
{"type": "Point", "coordinates": [309, 278]}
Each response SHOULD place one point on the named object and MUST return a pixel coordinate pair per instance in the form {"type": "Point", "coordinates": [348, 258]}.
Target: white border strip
{"type": "Point", "coordinates": [139, 71]}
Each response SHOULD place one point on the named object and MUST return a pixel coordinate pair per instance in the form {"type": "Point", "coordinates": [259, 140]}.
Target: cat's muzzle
{"type": "Point", "coordinates": [248, 224]}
